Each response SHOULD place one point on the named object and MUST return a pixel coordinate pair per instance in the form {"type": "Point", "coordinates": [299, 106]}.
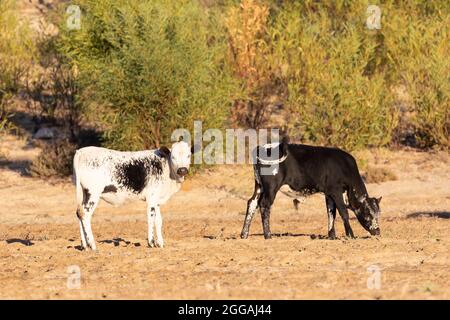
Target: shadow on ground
{"type": "Point", "coordinates": [20, 166]}
{"type": "Point", "coordinates": [429, 214]}
{"type": "Point", "coordinates": [116, 242]}
{"type": "Point", "coordinates": [25, 242]}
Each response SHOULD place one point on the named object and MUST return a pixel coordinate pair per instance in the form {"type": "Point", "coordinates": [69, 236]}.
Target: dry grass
{"type": "Point", "coordinates": [55, 160]}
{"type": "Point", "coordinates": [378, 175]}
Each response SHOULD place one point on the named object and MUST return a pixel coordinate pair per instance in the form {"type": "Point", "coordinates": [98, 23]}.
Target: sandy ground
{"type": "Point", "coordinates": [204, 256]}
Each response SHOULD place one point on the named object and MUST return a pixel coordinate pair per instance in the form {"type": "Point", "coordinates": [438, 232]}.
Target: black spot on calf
{"type": "Point", "coordinates": [134, 175]}
{"type": "Point", "coordinates": [110, 188]}
{"type": "Point", "coordinates": [86, 196]}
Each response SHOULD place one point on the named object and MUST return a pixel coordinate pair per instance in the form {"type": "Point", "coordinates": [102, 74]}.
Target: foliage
{"type": "Point", "coordinates": [147, 68]}
{"type": "Point", "coordinates": [419, 45]}
{"type": "Point", "coordinates": [55, 160]}
{"type": "Point", "coordinates": [246, 25]}
{"type": "Point", "coordinates": [339, 92]}
{"type": "Point", "coordinates": [16, 55]}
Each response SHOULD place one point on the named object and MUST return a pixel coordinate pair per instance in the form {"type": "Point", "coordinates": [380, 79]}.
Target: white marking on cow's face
{"type": "Point", "coordinates": [180, 156]}
{"type": "Point", "coordinates": [369, 215]}
{"type": "Point", "coordinates": [275, 171]}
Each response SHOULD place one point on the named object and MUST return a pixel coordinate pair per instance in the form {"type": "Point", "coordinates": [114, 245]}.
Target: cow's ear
{"type": "Point", "coordinates": [379, 200]}
{"type": "Point", "coordinates": [285, 139]}
{"type": "Point", "coordinates": [164, 151]}
{"type": "Point", "coordinates": [284, 145]}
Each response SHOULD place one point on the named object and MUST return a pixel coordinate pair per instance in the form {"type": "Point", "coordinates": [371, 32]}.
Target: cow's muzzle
{"type": "Point", "coordinates": [182, 172]}
{"type": "Point", "coordinates": [375, 232]}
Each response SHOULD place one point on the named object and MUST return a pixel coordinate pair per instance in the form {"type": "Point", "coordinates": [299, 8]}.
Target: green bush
{"type": "Point", "coordinates": [16, 55]}
{"type": "Point", "coordinates": [338, 89]}
{"type": "Point", "coordinates": [419, 44]}
{"type": "Point", "coordinates": [16, 47]}
{"type": "Point", "coordinates": [146, 68]}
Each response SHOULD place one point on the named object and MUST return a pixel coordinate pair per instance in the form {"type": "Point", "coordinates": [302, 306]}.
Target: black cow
{"type": "Point", "coordinates": [307, 170]}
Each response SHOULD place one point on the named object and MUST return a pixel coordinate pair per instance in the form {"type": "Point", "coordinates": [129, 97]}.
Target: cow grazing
{"type": "Point", "coordinates": [114, 176]}
{"type": "Point", "coordinates": [307, 170]}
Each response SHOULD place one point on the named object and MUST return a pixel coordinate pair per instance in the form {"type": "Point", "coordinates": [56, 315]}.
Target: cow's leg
{"type": "Point", "coordinates": [82, 235]}
{"type": "Point", "coordinates": [151, 217]}
{"type": "Point", "coordinates": [331, 210]}
{"type": "Point", "coordinates": [90, 201]}
{"type": "Point", "coordinates": [158, 223]}
{"type": "Point", "coordinates": [266, 201]}
{"type": "Point", "coordinates": [252, 205]}
{"type": "Point", "coordinates": [342, 208]}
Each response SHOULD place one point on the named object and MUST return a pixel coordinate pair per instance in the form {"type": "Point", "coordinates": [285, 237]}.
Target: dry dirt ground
{"type": "Point", "coordinates": [204, 258]}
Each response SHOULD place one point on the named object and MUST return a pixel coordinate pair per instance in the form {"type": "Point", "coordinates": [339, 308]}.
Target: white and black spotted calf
{"type": "Point", "coordinates": [303, 170]}
{"type": "Point", "coordinates": [114, 176]}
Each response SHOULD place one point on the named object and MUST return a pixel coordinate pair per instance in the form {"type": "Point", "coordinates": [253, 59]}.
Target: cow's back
{"type": "Point", "coordinates": [319, 168]}
{"type": "Point", "coordinates": [315, 159]}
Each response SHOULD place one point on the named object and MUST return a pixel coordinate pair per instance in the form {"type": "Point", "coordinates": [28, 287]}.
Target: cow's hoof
{"type": "Point", "coordinates": [267, 236]}
{"type": "Point", "coordinates": [244, 235]}
{"type": "Point", "coordinates": [350, 235]}
{"type": "Point", "coordinates": [156, 244]}
{"type": "Point", "coordinates": [331, 237]}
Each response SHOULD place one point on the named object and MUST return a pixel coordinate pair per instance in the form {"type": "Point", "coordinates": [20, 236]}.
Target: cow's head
{"type": "Point", "coordinates": [369, 214]}
{"type": "Point", "coordinates": [179, 159]}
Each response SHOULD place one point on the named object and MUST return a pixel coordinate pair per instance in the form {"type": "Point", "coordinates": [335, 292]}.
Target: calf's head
{"type": "Point", "coordinates": [369, 214]}
{"type": "Point", "coordinates": [179, 159]}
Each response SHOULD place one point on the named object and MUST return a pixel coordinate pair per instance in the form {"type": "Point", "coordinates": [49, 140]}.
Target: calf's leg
{"type": "Point", "coordinates": [252, 205]}
{"type": "Point", "coordinates": [342, 208]}
{"type": "Point", "coordinates": [158, 223]}
{"type": "Point", "coordinates": [265, 205]}
{"type": "Point", "coordinates": [151, 217]}
{"type": "Point", "coordinates": [90, 202]}
{"type": "Point", "coordinates": [265, 216]}
{"type": "Point", "coordinates": [80, 215]}
{"type": "Point", "coordinates": [331, 210]}
{"type": "Point", "coordinates": [83, 236]}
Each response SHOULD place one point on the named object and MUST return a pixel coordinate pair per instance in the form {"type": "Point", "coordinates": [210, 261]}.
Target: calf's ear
{"type": "Point", "coordinates": [285, 139]}
{"type": "Point", "coordinates": [284, 146]}
{"type": "Point", "coordinates": [379, 200]}
{"type": "Point", "coordinates": [164, 151]}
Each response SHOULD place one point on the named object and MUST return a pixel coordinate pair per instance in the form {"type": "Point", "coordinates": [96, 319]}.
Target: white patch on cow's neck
{"type": "Point", "coordinates": [272, 162]}
{"type": "Point", "coordinates": [271, 145]}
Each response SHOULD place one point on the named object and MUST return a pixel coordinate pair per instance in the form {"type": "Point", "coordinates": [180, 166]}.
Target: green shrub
{"type": "Point", "coordinates": [419, 47]}
{"type": "Point", "coordinates": [16, 54]}
{"type": "Point", "coordinates": [338, 90]}
{"type": "Point", "coordinates": [146, 68]}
